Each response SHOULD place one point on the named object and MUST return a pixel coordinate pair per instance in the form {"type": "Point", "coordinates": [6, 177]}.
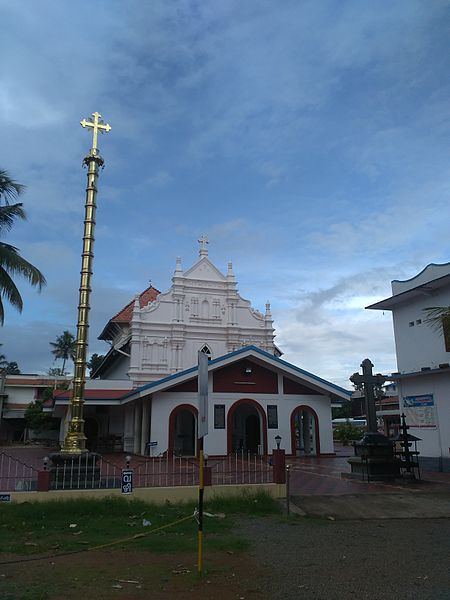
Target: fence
{"type": "Point", "coordinates": [94, 471]}
{"type": "Point", "coordinates": [15, 475]}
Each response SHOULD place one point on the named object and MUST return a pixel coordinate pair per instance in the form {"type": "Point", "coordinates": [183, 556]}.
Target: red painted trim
{"type": "Point", "coordinates": [316, 426]}
{"type": "Point", "coordinates": [231, 410]}
{"type": "Point", "coordinates": [177, 409]}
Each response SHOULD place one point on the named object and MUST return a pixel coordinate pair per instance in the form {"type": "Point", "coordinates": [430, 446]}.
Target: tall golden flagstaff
{"type": "Point", "coordinates": [75, 441]}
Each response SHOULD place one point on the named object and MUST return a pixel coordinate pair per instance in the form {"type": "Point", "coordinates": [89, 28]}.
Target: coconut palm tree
{"type": "Point", "coordinates": [9, 189]}
{"type": "Point", "coordinates": [64, 347]}
{"type": "Point", "coordinates": [438, 317]}
{"type": "Point", "coordinates": [12, 264]}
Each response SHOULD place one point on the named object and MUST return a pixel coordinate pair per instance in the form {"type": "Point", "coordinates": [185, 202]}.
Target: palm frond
{"type": "Point", "coordinates": [9, 189]}
{"type": "Point", "coordinates": [8, 290]}
{"type": "Point", "coordinates": [8, 214]}
{"type": "Point", "coordinates": [14, 264]}
{"type": "Point", "coordinates": [438, 318]}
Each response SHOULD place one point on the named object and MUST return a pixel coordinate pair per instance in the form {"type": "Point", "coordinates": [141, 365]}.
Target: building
{"type": "Point", "coordinates": [16, 393]}
{"type": "Point", "coordinates": [143, 396]}
{"type": "Point", "coordinates": [423, 360]}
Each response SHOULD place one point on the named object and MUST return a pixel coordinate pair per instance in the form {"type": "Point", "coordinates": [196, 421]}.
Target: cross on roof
{"type": "Point", "coordinates": [203, 241]}
{"type": "Point", "coordinates": [97, 125]}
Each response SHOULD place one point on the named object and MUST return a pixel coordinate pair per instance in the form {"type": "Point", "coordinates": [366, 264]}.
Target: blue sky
{"type": "Point", "coordinates": [308, 140]}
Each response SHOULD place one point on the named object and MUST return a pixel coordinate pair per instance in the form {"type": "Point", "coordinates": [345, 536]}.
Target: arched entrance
{"type": "Point", "coordinates": [183, 431]}
{"type": "Point", "coordinates": [305, 432]}
{"type": "Point", "coordinates": [247, 428]}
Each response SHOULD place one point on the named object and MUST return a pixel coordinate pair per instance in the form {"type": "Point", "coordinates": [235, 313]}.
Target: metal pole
{"type": "Point", "coordinates": [288, 489]}
{"type": "Point", "coordinates": [201, 488]}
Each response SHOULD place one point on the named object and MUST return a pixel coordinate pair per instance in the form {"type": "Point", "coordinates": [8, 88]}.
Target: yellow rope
{"type": "Point", "coordinates": [100, 546]}
{"type": "Point", "coordinates": [138, 535]}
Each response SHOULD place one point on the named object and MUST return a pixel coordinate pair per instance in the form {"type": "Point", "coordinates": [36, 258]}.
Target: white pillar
{"type": "Point", "coordinates": [306, 432]}
{"type": "Point", "coordinates": [137, 428]}
{"type": "Point", "coordinates": [145, 425]}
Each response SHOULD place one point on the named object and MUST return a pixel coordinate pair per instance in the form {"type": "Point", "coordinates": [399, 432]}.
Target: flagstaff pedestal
{"type": "Point", "coordinates": [70, 472]}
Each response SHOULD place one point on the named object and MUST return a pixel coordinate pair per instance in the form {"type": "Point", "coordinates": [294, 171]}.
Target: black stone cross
{"type": "Point", "coordinates": [368, 381]}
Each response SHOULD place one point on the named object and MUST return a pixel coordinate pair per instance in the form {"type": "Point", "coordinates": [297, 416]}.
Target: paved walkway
{"type": "Point", "coordinates": [323, 476]}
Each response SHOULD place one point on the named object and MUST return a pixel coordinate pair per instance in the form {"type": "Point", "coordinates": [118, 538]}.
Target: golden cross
{"type": "Point", "coordinates": [96, 125]}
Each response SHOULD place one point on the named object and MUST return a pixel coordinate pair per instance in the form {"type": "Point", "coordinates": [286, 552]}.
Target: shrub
{"type": "Point", "coordinates": [346, 432]}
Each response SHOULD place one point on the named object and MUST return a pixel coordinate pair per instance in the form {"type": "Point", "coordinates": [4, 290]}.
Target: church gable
{"type": "Point", "coordinates": [204, 270]}
{"type": "Point", "coordinates": [186, 386]}
{"type": "Point", "coordinates": [293, 387]}
{"type": "Point", "coordinates": [246, 377]}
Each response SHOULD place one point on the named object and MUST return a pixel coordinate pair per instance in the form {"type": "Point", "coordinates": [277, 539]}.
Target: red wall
{"type": "Point", "coordinates": [292, 387]}
{"type": "Point", "coordinates": [232, 379]}
{"type": "Point", "coordinates": [187, 386]}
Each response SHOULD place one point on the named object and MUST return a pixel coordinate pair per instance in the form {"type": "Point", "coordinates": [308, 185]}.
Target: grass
{"type": "Point", "coordinates": [45, 527]}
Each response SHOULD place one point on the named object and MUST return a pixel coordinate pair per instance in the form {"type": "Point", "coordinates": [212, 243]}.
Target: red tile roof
{"type": "Point", "coordinates": [124, 315]}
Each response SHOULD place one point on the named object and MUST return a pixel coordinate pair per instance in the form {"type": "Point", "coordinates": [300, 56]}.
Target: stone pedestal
{"type": "Point", "coordinates": [69, 472]}
{"type": "Point", "coordinates": [279, 466]}
{"type": "Point", "coordinates": [374, 458]}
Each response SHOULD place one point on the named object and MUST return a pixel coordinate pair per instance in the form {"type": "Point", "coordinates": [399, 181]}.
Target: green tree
{"type": "Point", "coordinates": [64, 348]}
{"type": "Point", "coordinates": [12, 264]}
{"type": "Point", "coordinates": [94, 362]}
{"type": "Point", "coordinates": [35, 417]}
{"type": "Point", "coordinates": [12, 368]}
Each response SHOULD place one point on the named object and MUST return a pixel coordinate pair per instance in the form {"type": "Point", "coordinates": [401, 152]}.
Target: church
{"type": "Point", "coordinates": [143, 397]}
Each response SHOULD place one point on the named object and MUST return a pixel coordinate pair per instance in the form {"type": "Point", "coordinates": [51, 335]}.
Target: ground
{"type": "Point", "coordinates": [345, 540]}
{"type": "Point", "coordinates": [302, 557]}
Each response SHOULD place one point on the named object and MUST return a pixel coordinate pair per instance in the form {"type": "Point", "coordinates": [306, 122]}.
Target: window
{"type": "Point", "coordinates": [206, 351]}
{"type": "Point", "coordinates": [272, 416]}
{"type": "Point", "coordinates": [411, 323]}
{"type": "Point", "coordinates": [219, 416]}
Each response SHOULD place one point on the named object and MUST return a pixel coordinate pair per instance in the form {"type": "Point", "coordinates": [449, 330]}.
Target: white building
{"type": "Point", "coordinates": [423, 360]}
{"type": "Point", "coordinates": [160, 334]}
{"type": "Point", "coordinates": [143, 397]}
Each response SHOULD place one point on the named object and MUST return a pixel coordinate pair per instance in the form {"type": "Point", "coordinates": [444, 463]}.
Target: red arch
{"type": "Point", "coordinates": [316, 427]}
{"type": "Point", "coordinates": [262, 414]}
{"type": "Point", "coordinates": [172, 416]}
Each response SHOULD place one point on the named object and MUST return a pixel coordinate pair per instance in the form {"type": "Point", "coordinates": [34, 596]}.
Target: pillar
{"type": "Point", "coordinates": [137, 428]}
{"type": "Point", "coordinates": [306, 430]}
{"type": "Point", "coordinates": [144, 426]}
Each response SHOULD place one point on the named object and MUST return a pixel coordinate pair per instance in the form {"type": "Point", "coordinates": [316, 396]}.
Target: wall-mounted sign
{"type": "Point", "coordinates": [420, 411]}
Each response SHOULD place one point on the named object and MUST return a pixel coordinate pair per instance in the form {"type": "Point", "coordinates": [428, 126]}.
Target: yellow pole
{"type": "Point", "coordinates": [75, 440]}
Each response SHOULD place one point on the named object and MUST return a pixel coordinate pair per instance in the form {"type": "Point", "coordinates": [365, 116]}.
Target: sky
{"type": "Point", "coordinates": [309, 140]}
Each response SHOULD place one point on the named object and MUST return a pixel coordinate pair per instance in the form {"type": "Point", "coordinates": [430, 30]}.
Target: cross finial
{"type": "Point", "coordinates": [97, 125]}
{"type": "Point", "coordinates": [203, 241]}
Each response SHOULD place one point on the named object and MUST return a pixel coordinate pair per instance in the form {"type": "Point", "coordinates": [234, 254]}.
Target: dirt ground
{"type": "Point", "coordinates": [128, 575]}
{"type": "Point", "coordinates": [300, 557]}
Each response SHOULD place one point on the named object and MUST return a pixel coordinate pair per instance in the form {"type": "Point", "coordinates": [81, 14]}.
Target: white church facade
{"type": "Point", "coordinates": [143, 397]}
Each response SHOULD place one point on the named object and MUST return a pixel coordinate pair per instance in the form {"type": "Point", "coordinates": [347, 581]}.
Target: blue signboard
{"type": "Point", "coordinates": [418, 401]}
{"type": "Point", "coordinates": [127, 481]}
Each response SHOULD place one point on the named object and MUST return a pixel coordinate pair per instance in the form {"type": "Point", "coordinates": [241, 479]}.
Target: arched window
{"type": "Point", "coordinates": [206, 350]}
